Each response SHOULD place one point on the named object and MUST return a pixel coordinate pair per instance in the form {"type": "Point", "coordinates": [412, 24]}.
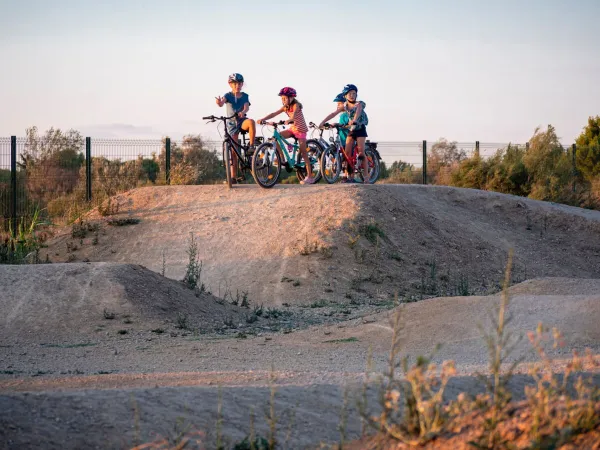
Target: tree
{"type": "Point", "coordinates": [588, 149]}
{"type": "Point", "coordinates": [51, 162]}
{"type": "Point", "coordinates": [548, 166]}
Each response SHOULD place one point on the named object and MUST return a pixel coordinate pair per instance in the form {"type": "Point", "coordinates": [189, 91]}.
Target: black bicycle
{"type": "Point", "coordinates": [241, 149]}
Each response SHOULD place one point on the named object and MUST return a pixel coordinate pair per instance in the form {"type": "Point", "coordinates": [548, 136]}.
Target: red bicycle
{"type": "Point", "coordinates": [334, 159]}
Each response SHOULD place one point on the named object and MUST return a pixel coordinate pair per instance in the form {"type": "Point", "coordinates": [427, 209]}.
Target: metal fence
{"type": "Point", "coordinates": [101, 167]}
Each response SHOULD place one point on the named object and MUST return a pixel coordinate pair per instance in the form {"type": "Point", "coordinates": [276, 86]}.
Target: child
{"type": "Point", "coordinates": [293, 108]}
{"type": "Point", "coordinates": [357, 125]}
{"type": "Point", "coordinates": [238, 104]}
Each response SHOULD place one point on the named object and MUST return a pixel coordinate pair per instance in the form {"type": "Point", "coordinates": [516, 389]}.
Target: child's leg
{"type": "Point", "coordinates": [250, 126]}
{"type": "Point", "coordinates": [233, 157]}
{"type": "Point", "coordinates": [302, 143]}
{"type": "Point", "coordinates": [349, 148]}
{"type": "Point", "coordinates": [360, 148]}
{"type": "Point", "coordinates": [284, 134]}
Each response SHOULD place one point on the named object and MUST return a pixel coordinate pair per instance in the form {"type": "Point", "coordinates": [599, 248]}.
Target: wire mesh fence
{"type": "Point", "coordinates": [58, 178]}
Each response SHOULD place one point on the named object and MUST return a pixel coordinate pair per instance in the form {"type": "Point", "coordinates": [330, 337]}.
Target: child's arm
{"type": "Point", "coordinates": [270, 116]}
{"type": "Point", "coordinates": [244, 110]}
{"type": "Point", "coordinates": [332, 115]}
{"type": "Point", "coordinates": [359, 109]}
{"type": "Point", "coordinates": [220, 101]}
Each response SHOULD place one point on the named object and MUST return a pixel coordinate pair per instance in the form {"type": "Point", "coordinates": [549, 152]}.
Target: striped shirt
{"type": "Point", "coordinates": [299, 125]}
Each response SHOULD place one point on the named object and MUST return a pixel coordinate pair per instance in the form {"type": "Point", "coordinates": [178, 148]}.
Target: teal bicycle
{"type": "Point", "coordinates": [267, 162]}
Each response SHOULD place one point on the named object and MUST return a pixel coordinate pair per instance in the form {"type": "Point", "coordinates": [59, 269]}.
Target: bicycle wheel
{"type": "Point", "coordinates": [314, 151]}
{"type": "Point", "coordinates": [373, 165]}
{"type": "Point", "coordinates": [227, 162]}
{"type": "Point", "coordinates": [331, 164]}
{"type": "Point", "coordinates": [266, 165]}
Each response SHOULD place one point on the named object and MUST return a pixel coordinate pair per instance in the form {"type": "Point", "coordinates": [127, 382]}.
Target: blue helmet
{"type": "Point", "coordinates": [236, 78]}
{"type": "Point", "coordinates": [348, 88]}
{"type": "Point", "coordinates": [339, 98]}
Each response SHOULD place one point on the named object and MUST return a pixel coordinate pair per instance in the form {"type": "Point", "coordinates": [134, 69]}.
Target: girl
{"type": "Point", "coordinates": [357, 125]}
{"type": "Point", "coordinates": [293, 108]}
{"type": "Point", "coordinates": [238, 104]}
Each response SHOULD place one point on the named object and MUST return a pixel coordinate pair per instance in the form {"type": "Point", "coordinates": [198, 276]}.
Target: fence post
{"type": "Point", "coordinates": [168, 160]}
{"type": "Point", "coordinates": [574, 166]}
{"type": "Point", "coordinates": [477, 148]}
{"type": "Point", "coordinates": [88, 169]}
{"type": "Point", "coordinates": [424, 162]}
{"type": "Point", "coordinates": [13, 184]}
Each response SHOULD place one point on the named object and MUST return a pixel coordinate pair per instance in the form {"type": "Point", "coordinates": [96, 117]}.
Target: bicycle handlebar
{"type": "Point", "coordinates": [327, 126]}
{"type": "Point", "coordinates": [276, 124]}
{"type": "Point", "coordinates": [214, 118]}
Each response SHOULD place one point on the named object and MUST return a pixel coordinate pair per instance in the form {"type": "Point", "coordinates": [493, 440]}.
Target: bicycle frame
{"type": "Point", "coordinates": [283, 144]}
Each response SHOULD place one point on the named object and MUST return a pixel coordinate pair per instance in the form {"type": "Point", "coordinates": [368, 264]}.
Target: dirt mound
{"type": "Point", "coordinates": [55, 302]}
{"type": "Point", "coordinates": [298, 244]}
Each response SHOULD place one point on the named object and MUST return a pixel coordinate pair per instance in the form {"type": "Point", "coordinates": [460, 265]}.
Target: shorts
{"type": "Point", "coordinates": [297, 134]}
{"type": "Point", "coordinates": [358, 132]}
{"type": "Point", "coordinates": [235, 125]}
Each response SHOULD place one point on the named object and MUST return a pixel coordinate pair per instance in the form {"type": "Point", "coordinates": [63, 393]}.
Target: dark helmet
{"type": "Point", "coordinates": [236, 78]}
{"type": "Point", "coordinates": [348, 88]}
{"type": "Point", "coordinates": [287, 91]}
{"type": "Point", "coordinates": [339, 98]}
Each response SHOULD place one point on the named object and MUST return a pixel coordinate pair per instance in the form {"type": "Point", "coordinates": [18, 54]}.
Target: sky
{"type": "Point", "coordinates": [464, 70]}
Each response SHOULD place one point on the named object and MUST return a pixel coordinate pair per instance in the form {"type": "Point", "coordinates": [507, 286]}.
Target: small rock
{"type": "Point", "coordinates": [268, 338]}
{"type": "Point", "coordinates": [327, 333]}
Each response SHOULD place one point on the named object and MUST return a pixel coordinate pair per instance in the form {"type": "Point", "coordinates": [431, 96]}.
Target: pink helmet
{"type": "Point", "coordinates": [288, 92]}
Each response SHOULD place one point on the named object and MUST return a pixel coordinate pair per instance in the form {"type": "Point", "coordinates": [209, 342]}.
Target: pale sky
{"type": "Point", "coordinates": [465, 70]}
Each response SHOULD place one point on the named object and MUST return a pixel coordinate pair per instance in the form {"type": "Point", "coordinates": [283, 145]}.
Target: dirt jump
{"type": "Point", "coordinates": [106, 347]}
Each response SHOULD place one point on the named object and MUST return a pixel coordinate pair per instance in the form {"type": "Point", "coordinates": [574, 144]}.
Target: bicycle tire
{"type": "Point", "coordinates": [373, 166]}
{"type": "Point", "coordinates": [227, 162]}
{"type": "Point", "coordinates": [314, 151]}
{"type": "Point", "coordinates": [331, 164]}
{"type": "Point", "coordinates": [264, 161]}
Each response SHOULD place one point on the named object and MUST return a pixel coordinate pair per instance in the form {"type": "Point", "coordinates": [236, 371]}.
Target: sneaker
{"type": "Point", "coordinates": [308, 180]}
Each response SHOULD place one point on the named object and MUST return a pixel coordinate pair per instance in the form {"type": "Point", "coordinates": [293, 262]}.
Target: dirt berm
{"type": "Point", "coordinates": [304, 244]}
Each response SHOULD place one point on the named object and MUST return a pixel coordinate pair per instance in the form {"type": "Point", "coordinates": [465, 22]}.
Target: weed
{"type": "Point", "coordinates": [353, 240]}
{"type": "Point", "coordinates": [309, 247]}
{"type": "Point", "coordinates": [411, 411]}
{"type": "Point", "coordinates": [257, 310]}
{"type": "Point", "coordinates": [251, 318]}
{"type": "Point", "coordinates": [245, 303]}
{"type": "Point", "coordinates": [158, 331]}
{"type": "Point", "coordinates": [108, 208]}
{"type": "Point", "coordinates": [182, 321]}
{"type": "Point", "coordinates": [500, 344]}
{"type": "Point", "coordinates": [326, 251]}
{"type": "Point", "coordinates": [85, 344]}
{"type": "Point", "coordinates": [24, 246]}
{"type": "Point", "coordinates": [462, 287]}
{"type": "Point", "coordinates": [193, 269]}
{"type": "Point", "coordinates": [296, 283]}
{"type": "Point", "coordinates": [319, 304]}
{"type": "Point", "coordinates": [341, 341]}
{"type": "Point", "coordinates": [109, 315]}
{"type": "Point", "coordinates": [229, 322]}
{"type": "Point", "coordinates": [372, 231]}
{"type": "Point", "coordinates": [557, 417]}
{"type": "Point", "coordinates": [124, 221]}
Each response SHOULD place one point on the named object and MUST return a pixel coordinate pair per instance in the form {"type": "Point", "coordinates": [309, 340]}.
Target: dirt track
{"type": "Point", "coordinates": [61, 358]}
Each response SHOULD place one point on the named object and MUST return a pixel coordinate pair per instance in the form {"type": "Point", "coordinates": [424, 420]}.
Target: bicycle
{"type": "Point", "coordinates": [241, 149]}
{"type": "Point", "coordinates": [334, 158]}
{"type": "Point", "coordinates": [266, 162]}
